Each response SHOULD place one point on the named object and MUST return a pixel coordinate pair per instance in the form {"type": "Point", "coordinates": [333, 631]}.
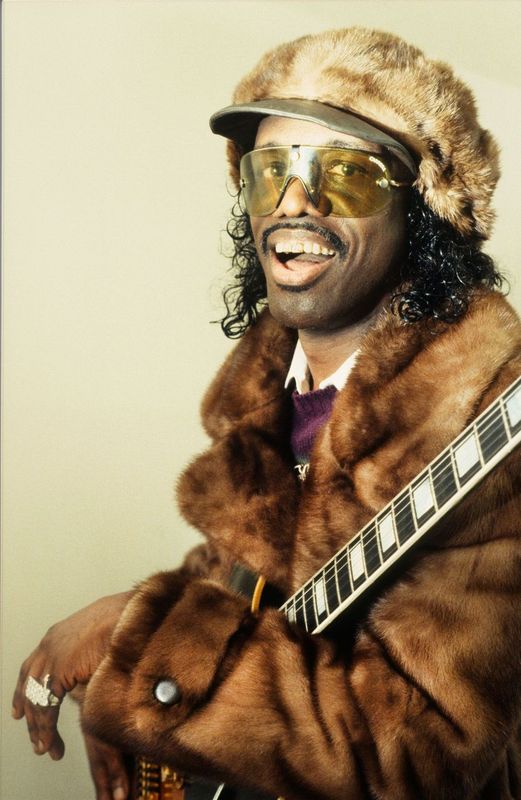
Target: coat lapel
{"type": "Point", "coordinates": [242, 492]}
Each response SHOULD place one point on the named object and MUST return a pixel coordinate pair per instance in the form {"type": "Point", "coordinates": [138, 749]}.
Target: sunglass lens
{"type": "Point", "coordinates": [263, 173]}
{"type": "Point", "coordinates": [354, 183]}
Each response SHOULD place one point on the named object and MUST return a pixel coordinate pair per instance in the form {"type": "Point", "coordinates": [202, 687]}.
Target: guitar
{"type": "Point", "coordinates": [398, 527]}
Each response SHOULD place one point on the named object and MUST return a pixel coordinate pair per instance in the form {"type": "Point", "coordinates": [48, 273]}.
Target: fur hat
{"type": "Point", "coordinates": [392, 85]}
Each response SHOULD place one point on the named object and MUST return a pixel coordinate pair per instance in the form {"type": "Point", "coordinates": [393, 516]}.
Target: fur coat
{"type": "Point", "coordinates": [418, 697]}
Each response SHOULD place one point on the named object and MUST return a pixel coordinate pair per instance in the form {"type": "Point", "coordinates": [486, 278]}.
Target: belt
{"type": "Point", "coordinates": [261, 593]}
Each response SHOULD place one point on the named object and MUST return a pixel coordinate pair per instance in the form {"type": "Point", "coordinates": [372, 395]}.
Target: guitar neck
{"type": "Point", "coordinates": [404, 521]}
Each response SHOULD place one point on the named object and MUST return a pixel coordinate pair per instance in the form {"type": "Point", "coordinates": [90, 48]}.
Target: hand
{"type": "Point", "coordinates": [108, 770]}
{"type": "Point", "coordinates": [70, 651]}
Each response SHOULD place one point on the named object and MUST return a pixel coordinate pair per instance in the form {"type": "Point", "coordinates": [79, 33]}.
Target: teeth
{"type": "Point", "coordinates": [303, 247]}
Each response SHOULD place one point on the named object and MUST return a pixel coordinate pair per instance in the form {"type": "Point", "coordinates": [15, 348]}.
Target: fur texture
{"type": "Point", "coordinates": [416, 697]}
{"type": "Point", "coordinates": [390, 83]}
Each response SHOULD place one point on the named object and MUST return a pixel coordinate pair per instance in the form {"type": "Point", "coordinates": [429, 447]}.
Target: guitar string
{"type": "Point", "coordinates": [401, 506]}
{"type": "Point", "coordinates": [366, 541]}
{"type": "Point", "coordinates": [493, 413]}
{"type": "Point", "coordinates": [306, 593]}
{"type": "Point", "coordinates": [440, 463]}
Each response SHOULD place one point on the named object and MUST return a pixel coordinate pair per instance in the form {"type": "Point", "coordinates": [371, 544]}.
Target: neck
{"type": "Point", "coordinates": [326, 350]}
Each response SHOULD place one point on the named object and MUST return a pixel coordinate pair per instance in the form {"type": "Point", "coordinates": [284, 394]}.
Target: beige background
{"type": "Point", "coordinates": [114, 199]}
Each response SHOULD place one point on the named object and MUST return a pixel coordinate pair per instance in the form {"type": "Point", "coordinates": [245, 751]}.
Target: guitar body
{"type": "Point", "coordinates": [155, 782]}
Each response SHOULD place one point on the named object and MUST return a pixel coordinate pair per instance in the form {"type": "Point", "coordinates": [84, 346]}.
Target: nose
{"type": "Point", "coordinates": [296, 202]}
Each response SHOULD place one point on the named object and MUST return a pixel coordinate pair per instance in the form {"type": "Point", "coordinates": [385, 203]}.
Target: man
{"type": "Point", "coordinates": [365, 183]}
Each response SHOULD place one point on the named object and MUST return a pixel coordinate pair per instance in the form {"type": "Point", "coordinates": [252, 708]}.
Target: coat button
{"type": "Point", "coordinates": [166, 691]}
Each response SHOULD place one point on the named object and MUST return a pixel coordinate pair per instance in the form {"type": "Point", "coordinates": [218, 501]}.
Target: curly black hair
{"type": "Point", "coordinates": [440, 271]}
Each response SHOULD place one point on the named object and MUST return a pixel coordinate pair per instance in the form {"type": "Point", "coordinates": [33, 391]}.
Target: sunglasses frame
{"type": "Point", "coordinates": [386, 182]}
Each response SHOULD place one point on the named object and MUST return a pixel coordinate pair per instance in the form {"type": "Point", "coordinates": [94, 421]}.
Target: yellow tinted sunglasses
{"type": "Point", "coordinates": [347, 183]}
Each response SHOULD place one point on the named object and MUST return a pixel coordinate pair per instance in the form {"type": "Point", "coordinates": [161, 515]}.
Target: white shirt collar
{"type": "Point", "coordinates": [299, 372]}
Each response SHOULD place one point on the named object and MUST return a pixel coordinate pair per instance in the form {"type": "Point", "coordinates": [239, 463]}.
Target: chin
{"type": "Point", "coordinates": [302, 310]}
{"type": "Point", "coordinates": [298, 311]}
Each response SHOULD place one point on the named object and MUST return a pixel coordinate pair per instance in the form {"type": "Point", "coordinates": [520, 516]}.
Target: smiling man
{"type": "Point", "coordinates": [332, 242]}
{"type": "Point", "coordinates": [372, 333]}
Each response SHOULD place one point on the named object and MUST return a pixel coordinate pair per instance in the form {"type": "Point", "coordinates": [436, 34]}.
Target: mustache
{"type": "Point", "coordinates": [330, 237]}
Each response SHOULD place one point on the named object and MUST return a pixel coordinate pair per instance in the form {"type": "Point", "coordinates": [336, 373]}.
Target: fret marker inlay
{"type": "Point", "coordinates": [386, 530]}
{"type": "Point", "coordinates": [320, 595]}
{"type": "Point", "coordinates": [423, 499]}
{"type": "Point", "coordinates": [466, 455]}
{"type": "Point", "coordinates": [357, 561]}
{"type": "Point", "coordinates": [513, 405]}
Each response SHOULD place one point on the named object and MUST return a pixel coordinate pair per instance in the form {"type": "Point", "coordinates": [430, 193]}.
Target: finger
{"type": "Point", "coordinates": [108, 771]}
{"type": "Point", "coordinates": [17, 710]}
{"type": "Point", "coordinates": [118, 777]}
{"type": "Point", "coordinates": [57, 747]}
{"type": "Point", "coordinates": [31, 666]}
{"type": "Point", "coordinates": [42, 722]}
{"type": "Point", "coordinates": [100, 779]}
{"type": "Point", "coordinates": [48, 740]}
{"type": "Point", "coordinates": [32, 726]}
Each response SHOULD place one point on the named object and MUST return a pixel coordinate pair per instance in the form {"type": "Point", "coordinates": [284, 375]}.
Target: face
{"type": "Point", "coordinates": [358, 260]}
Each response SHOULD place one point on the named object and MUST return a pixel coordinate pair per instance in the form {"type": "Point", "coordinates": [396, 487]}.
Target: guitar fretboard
{"type": "Point", "coordinates": [410, 515]}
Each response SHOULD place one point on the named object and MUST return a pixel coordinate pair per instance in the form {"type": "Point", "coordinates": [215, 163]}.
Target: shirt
{"type": "Point", "coordinates": [299, 372]}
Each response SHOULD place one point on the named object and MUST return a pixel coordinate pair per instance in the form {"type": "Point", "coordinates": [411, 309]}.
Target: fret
{"type": "Point", "coordinates": [492, 434]}
{"type": "Point", "coordinates": [454, 469]}
{"type": "Point", "coordinates": [403, 517]}
{"type": "Point", "coordinates": [443, 479]}
{"type": "Point", "coordinates": [513, 409]}
{"type": "Point", "coordinates": [504, 417]}
{"type": "Point", "coordinates": [467, 457]}
{"type": "Point", "coordinates": [289, 610]}
{"type": "Point", "coordinates": [387, 534]}
{"type": "Point", "coordinates": [423, 500]}
{"type": "Point", "coordinates": [377, 539]}
{"type": "Point", "coordinates": [319, 593]}
{"type": "Point", "coordinates": [333, 599]}
{"type": "Point", "coordinates": [299, 609]}
{"type": "Point", "coordinates": [309, 608]}
{"type": "Point", "coordinates": [356, 562]}
{"type": "Point", "coordinates": [342, 573]}
{"type": "Point", "coordinates": [478, 443]}
{"type": "Point", "coordinates": [371, 552]}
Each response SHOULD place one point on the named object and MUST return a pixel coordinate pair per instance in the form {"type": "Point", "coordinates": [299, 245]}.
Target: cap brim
{"type": "Point", "coordinates": [240, 123]}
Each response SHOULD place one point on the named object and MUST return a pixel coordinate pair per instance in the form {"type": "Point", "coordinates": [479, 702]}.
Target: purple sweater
{"type": "Point", "coordinates": [310, 412]}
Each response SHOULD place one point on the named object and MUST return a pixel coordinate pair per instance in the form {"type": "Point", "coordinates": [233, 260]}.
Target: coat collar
{"type": "Point", "coordinates": [251, 380]}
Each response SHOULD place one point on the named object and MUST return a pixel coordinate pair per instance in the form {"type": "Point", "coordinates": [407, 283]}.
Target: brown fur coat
{"type": "Point", "coordinates": [423, 700]}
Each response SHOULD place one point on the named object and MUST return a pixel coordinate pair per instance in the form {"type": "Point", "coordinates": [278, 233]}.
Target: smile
{"type": "Point", "coordinates": [298, 260]}
{"type": "Point", "coordinates": [287, 248]}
